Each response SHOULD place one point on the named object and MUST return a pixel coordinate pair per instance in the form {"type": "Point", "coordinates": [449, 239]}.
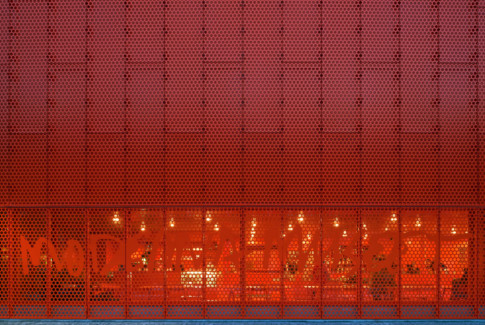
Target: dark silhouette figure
{"type": "Point", "coordinates": [459, 287]}
{"type": "Point", "coordinates": [382, 285]}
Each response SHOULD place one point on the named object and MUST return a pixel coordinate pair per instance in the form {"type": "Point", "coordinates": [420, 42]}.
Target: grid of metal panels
{"type": "Point", "coordinates": [206, 262]}
{"type": "Point", "coordinates": [179, 106]}
{"type": "Point", "coordinates": [241, 102]}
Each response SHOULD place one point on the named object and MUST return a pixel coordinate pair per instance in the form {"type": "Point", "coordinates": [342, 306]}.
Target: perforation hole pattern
{"type": "Point", "coordinates": [242, 159]}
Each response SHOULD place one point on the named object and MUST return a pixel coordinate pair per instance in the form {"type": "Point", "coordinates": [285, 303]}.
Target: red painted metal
{"type": "Point", "coordinates": [242, 159]}
{"type": "Point", "coordinates": [243, 263]}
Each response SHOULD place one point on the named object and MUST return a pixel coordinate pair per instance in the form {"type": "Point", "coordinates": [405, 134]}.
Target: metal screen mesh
{"type": "Point", "coordinates": [242, 159]}
{"type": "Point", "coordinates": [242, 263]}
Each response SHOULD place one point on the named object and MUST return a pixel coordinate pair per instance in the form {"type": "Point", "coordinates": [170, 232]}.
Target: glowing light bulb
{"type": "Point", "coordinates": [300, 216]}
{"type": "Point", "coordinates": [453, 230]}
{"type": "Point", "coordinates": [365, 236]}
{"type": "Point", "coordinates": [290, 227]}
{"type": "Point", "coordinates": [116, 218]}
{"type": "Point", "coordinates": [216, 227]}
{"type": "Point", "coordinates": [336, 223]}
{"type": "Point", "coordinates": [208, 216]}
{"type": "Point", "coordinates": [418, 222]}
{"type": "Point", "coordinates": [393, 217]}
{"type": "Point", "coordinates": [142, 226]}
{"type": "Point", "coordinates": [387, 229]}
{"type": "Point", "coordinates": [172, 223]}
{"type": "Point", "coordinates": [344, 234]}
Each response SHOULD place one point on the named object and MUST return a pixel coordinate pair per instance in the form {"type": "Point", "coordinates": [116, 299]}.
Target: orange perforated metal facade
{"type": "Point", "coordinates": [242, 159]}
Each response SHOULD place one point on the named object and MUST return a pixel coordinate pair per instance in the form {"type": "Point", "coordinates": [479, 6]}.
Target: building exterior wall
{"type": "Point", "coordinates": [269, 159]}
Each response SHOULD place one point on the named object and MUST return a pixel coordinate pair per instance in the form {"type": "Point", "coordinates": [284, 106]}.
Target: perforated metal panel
{"type": "Point", "coordinates": [242, 159]}
{"type": "Point", "coordinates": [242, 263]}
